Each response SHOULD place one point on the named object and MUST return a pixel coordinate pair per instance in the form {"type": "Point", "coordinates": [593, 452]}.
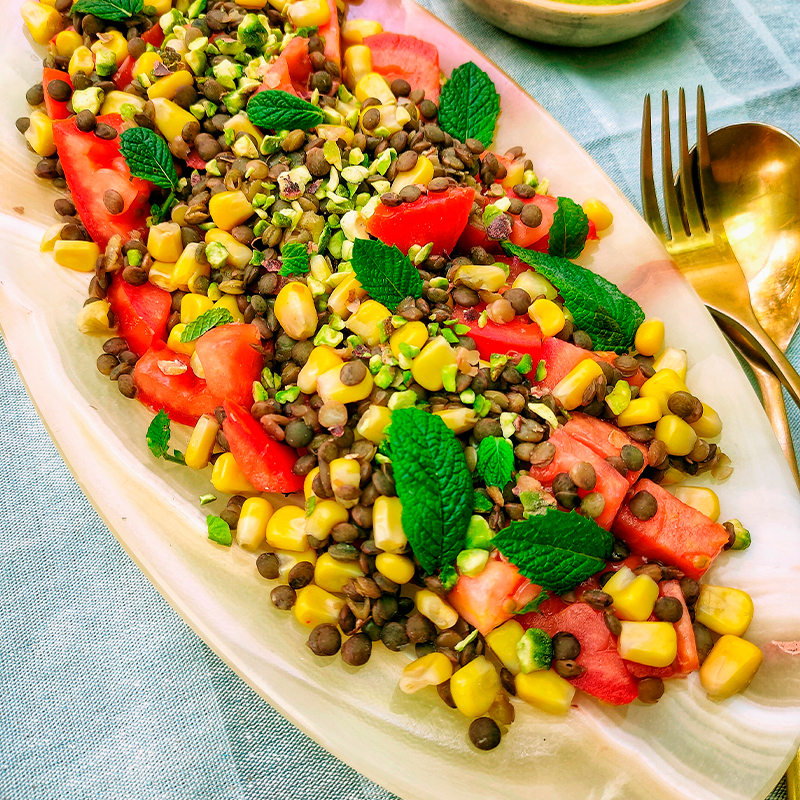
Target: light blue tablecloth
{"type": "Point", "coordinates": [105, 693]}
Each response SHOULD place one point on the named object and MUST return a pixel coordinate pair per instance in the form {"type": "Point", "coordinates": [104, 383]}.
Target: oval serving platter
{"type": "Point", "coordinates": [684, 747]}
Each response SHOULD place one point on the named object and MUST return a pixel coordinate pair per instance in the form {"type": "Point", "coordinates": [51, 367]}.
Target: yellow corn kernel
{"type": "Point", "coordinates": [545, 690]}
{"type": "Point", "coordinates": [43, 21]}
{"type": "Point", "coordinates": [186, 271]}
{"type": "Point", "coordinates": [700, 498]}
{"type": "Point", "coordinates": [77, 255]}
{"type": "Point", "coordinates": [354, 30]}
{"type": "Point", "coordinates": [547, 315]}
{"type": "Point", "coordinates": [325, 516]}
{"type": "Point", "coordinates": [240, 123]}
{"type": "Point", "coordinates": [421, 174]}
{"type": "Point", "coordinates": [367, 322]}
{"type": "Point", "coordinates": [503, 643]}
{"type": "Point", "coordinates": [387, 524]}
{"type": "Point", "coordinates": [81, 60]}
{"type": "Point", "coordinates": [724, 610]}
{"type": "Point", "coordinates": [535, 285]}
{"type": "Point", "coordinates": [332, 575]}
{"type": "Point", "coordinates": [634, 595]}
{"type": "Point", "coordinates": [640, 411]}
{"type": "Point", "coordinates": [229, 209]}
{"type": "Point", "coordinates": [569, 390]}
{"type": "Point", "coordinates": [322, 359]}
{"type": "Point", "coordinates": [308, 484]}
{"type": "Point", "coordinates": [515, 174]}
{"type": "Point", "coordinates": [252, 5]}
{"type": "Point", "coordinates": [392, 118]}
{"type": "Point", "coordinates": [114, 41]}
{"type": "Point", "coordinates": [373, 423]}
{"type": "Point", "coordinates": [661, 386]}
{"type": "Point", "coordinates": [67, 42]}
{"type": "Point", "coordinates": [428, 366]}
{"type": "Point", "coordinates": [286, 529]}
{"type": "Point", "coordinates": [399, 569]}
{"type": "Point", "coordinates": [279, 4]}
{"type": "Point", "coordinates": [344, 294]}
{"type": "Point", "coordinates": [164, 241]}
{"type": "Point", "coordinates": [295, 310]}
{"type": "Point", "coordinates": [170, 119]}
{"type": "Point", "coordinates": [309, 13]}
{"type": "Point", "coordinates": [40, 133]}
{"type": "Point", "coordinates": [333, 132]}
{"type": "Point", "coordinates": [252, 526]}
{"type": "Point", "coordinates": [459, 420]}
{"type": "Point", "coordinates": [474, 687]}
{"type": "Point", "coordinates": [674, 359]}
{"type": "Point", "coordinates": [162, 6]}
{"type": "Point", "coordinates": [729, 667]}
{"type": "Point", "coordinates": [430, 670]}
{"type": "Point", "coordinates": [357, 63]}
{"type": "Point", "coordinates": [487, 277]}
{"type": "Point", "coordinates": [93, 318]}
{"type": "Point", "coordinates": [114, 101]}
{"type": "Point", "coordinates": [677, 435]}
{"type": "Point", "coordinates": [228, 301]}
{"type": "Point", "coordinates": [649, 337]}
{"type": "Point", "coordinates": [414, 334]}
{"type": "Point", "coordinates": [201, 443]}
{"type": "Point", "coordinates": [653, 644]}
{"type": "Point", "coordinates": [374, 85]}
{"type": "Point", "coordinates": [50, 237]}
{"type": "Point", "coordinates": [160, 275]}
{"type": "Point", "coordinates": [145, 63]}
{"type": "Point", "coordinates": [709, 425]}
{"type": "Point", "coordinates": [330, 387]}
{"type": "Point", "coordinates": [174, 341]}
{"type": "Point", "coordinates": [345, 474]}
{"type": "Point", "coordinates": [289, 558]}
{"type": "Point", "coordinates": [228, 478]}
{"type": "Point", "coordinates": [599, 213]}
{"type": "Point", "coordinates": [315, 606]}
{"type": "Point", "coordinates": [239, 254]}
{"type": "Point", "coordinates": [168, 85]}
{"type": "Point", "coordinates": [197, 366]}
{"type": "Point", "coordinates": [432, 606]}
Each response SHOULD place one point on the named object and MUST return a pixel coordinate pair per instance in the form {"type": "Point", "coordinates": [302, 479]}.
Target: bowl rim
{"type": "Point", "coordinates": [610, 10]}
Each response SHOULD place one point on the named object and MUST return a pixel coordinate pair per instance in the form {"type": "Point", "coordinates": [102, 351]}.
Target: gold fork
{"type": "Point", "coordinates": [695, 236]}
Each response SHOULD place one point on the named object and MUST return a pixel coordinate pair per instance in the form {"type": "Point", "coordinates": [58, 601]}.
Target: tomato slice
{"type": "Point", "coordinates": [56, 109]}
{"type": "Point", "coordinates": [92, 166]}
{"type": "Point", "coordinates": [141, 311]}
{"type": "Point", "coordinates": [396, 55]}
{"type": "Point", "coordinates": [266, 463]}
{"type": "Point", "coordinates": [330, 33]}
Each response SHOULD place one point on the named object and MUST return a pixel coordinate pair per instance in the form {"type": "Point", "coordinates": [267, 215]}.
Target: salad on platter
{"type": "Point", "coordinates": [302, 245]}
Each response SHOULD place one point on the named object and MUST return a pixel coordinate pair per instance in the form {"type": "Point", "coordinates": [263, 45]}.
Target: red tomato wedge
{"type": "Point", "coordinates": [396, 55]}
{"type": "Point", "coordinates": [230, 363]}
{"type": "Point", "coordinates": [56, 109]}
{"type": "Point", "coordinates": [330, 33]}
{"type": "Point", "coordinates": [266, 463]}
{"type": "Point", "coordinates": [678, 534]}
{"type": "Point", "coordinates": [92, 166]}
{"type": "Point", "coordinates": [437, 218]}
{"type": "Point", "coordinates": [142, 313]}
{"type": "Point", "coordinates": [291, 69]}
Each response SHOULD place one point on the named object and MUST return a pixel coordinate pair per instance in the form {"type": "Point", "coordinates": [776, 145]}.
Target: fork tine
{"type": "Point", "coordinates": [691, 202]}
{"type": "Point", "coordinates": [704, 166]}
{"type": "Point", "coordinates": [652, 215]}
{"type": "Point", "coordinates": [673, 208]}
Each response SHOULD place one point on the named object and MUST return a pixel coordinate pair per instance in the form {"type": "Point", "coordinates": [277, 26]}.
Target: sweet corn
{"type": "Point", "coordinates": [252, 526]}
{"type": "Point", "coordinates": [674, 359]}
{"type": "Point", "coordinates": [326, 515]}
{"type": "Point", "coordinates": [354, 30]}
{"type": "Point", "coordinates": [653, 644]}
{"type": "Point", "coordinates": [40, 133]}
{"type": "Point", "coordinates": [392, 118]}
{"type": "Point", "coordinates": [397, 568]}
{"type": "Point", "coordinates": [700, 498]}
{"type": "Point", "coordinates": [186, 271]}
{"type": "Point", "coordinates": [677, 435]}
{"type": "Point", "coordinates": [240, 123]}
{"type": "Point", "coordinates": [239, 254]}
{"type": "Point", "coordinates": [332, 575]}
{"type": "Point", "coordinates": [170, 119]}
{"type": "Point", "coordinates": [333, 132]}
{"type": "Point", "coordinates": [114, 101]}
{"type": "Point", "coordinates": [174, 341]}
{"type": "Point", "coordinates": [640, 411]}
{"type": "Point", "coordinates": [50, 237]}
{"type": "Point", "coordinates": [432, 606]}
{"type": "Point", "coordinates": [421, 175]}
{"type": "Point", "coordinates": [346, 293]}
{"type": "Point", "coordinates": [309, 13]}
{"type": "Point", "coordinates": [662, 386]}
{"type": "Point", "coordinates": [197, 366]}
{"type": "Point", "coordinates": [649, 337]}
{"type": "Point", "coordinates": [322, 359]}
{"type": "Point", "coordinates": [598, 212]}
{"type": "Point", "coordinates": [569, 390]}
{"type": "Point", "coordinates": [414, 334]}
{"type": "Point", "coordinates": [229, 209]}
{"type": "Point", "coordinates": [459, 420]}
{"type": "Point", "coordinates": [474, 687]}
{"type": "Point", "coordinates": [357, 63]}
{"type": "Point", "coordinates": [387, 524]}
{"type": "Point", "coordinates": [729, 667]}
{"type": "Point", "coordinates": [308, 484]}
{"type": "Point", "coordinates": [709, 425]}
{"type": "Point", "coordinates": [315, 606]}
{"type": "Point", "coordinates": [480, 277]}
{"type": "Point", "coordinates": [345, 474]}
{"type": "Point", "coordinates": [228, 478]}
{"type": "Point", "coordinates": [288, 559]}
{"type": "Point", "coordinates": [330, 387]}
{"type": "Point", "coordinates": [164, 241]}
{"type": "Point", "coordinates": [724, 610]}
{"type": "Point", "coordinates": [77, 255]}
{"type": "Point", "coordinates": [94, 318]}
{"type": "Point", "coordinates": [280, 5]}
{"type": "Point", "coordinates": [295, 310]}
{"type": "Point", "coordinates": [145, 63]}
{"type": "Point", "coordinates": [535, 285]}
{"type": "Point", "coordinates": [430, 670]}
{"type": "Point", "coordinates": [503, 643]}
{"type": "Point", "coordinates": [373, 423]}
{"type": "Point", "coordinates": [547, 315]}
{"type": "Point", "coordinates": [81, 60]}
{"type": "Point", "coordinates": [161, 275]}
{"type": "Point", "coordinates": [43, 21]}
{"type": "Point", "coordinates": [515, 174]}
{"type": "Point", "coordinates": [286, 529]}
{"type": "Point", "coordinates": [634, 595]}
{"type": "Point", "coordinates": [202, 441]}
{"type": "Point", "coordinates": [545, 690]}
{"type": "Point", "coordinates": [427, 368]}
{"type": "Point", "coordinates": [67, 42]}
{"type": "Point", "coordinates": [168, 85]}
{"type": "Point", "coordinates": [367, 322]}
{"type": "Point", "coordinates": [374, 85]}
{"type": "Point", "coordinates": [228, 301]}
{"type": "Point", "coordinates": [114, 41]}
{"type": "Point", "coordinates": [252, 5]}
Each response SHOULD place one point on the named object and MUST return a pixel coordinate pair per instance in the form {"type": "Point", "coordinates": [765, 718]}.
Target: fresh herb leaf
{"type": "Point", "coordinates": [148, 157]}
{"type": "Point", "coordinates": [495, 461]}
{"type": "Point", "coordinates": [218, 530]}
{"type": "Point", "coordinates": [597, 305]}
{"type": "Point", "coordinates": [157, 435]}
{"type": "Point", "coordinates": [385, 273]}
{"type": "Point", "coordinates": [434, 486]}
{"type": "Point", "coordinates": [113, 10]}
{"type": "Point", "coordinates": [294, 259]}
{"type": "Point", "coordinates": [469, 105]}
{"type": "Point", "coordinates": [556, 550]}
{"type": "Point", "coordinates": [205, 322]}
{"type": "Point", "coordinates": [569, 230]}
{"type": "Point", "coordinates": [534, 604]}
{"type": "Point", "coordinates": [276, 110]}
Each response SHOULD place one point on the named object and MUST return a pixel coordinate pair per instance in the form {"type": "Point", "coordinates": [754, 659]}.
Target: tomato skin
{"type": "Point", "coordinates": [439, 218]}
{"type": "Point", "coordinates": [266, 463]}
{"type": "Point", "coordinates": [230, 363]}
{"type": "Point", "coordinates": [397, 55]}
{"type": "Point", "coordinates": [141, 311]}
{"type": "Point", "coordinates": [56, 109]}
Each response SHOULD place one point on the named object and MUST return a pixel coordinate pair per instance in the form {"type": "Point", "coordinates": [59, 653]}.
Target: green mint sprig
{"type": "Point", "coordinates": [148, 157]}
{"type": "Point", "coordinates": [608, 315]}
{"type": "Point", "coordinates": [157, 437]}
{"type": "Point", "coordinates": [112, 10]}
{"type": "Point", "coordinates": [276, 110]}
{"type": "Point", "coordinates": [495, 461]}
{"type": "Point", "coordinates": [219, 531]}
{"type": "Point", "coordinates": [385, 273]}
{"type": "Point", "coordinates": [294, 259]}
{"type": "Point", "coordinates": [205, 322]}
{"type": "Point", "coordinates": [569, 230]}
{"type": "Point", "coordinates": [469, 105]}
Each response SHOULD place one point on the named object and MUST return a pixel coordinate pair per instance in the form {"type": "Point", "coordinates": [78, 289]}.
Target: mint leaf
{"type": "Point", "coordinates": [495, 461]}
{"type": "Point", "coordinates": [597, 305]}
{"type": "Point", "coordinates": [434, 486]}
{"type": "Point", "coordinates": [114, 10]}
{"type": "Point", "coordinates": [205, 322]}
{"type": "Point", "coordinates": [157, 435]}
{"type": "Point", "coordinates": [469, 105]}
{"type": "Point", "coordinates": [218, 530]}
{"type": "Point", "coordinates": [569, 230]}
{"type": "Point", "coordinates": [295, 259]}
{"type": "Point", "coordinates": [556, 550]}
{"type": "Point", "coordinates": [279, 111]}
{"type": "Point", "coordinates": [148, 157]}
{"type": "Point", "coordinates": [385, 273]}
